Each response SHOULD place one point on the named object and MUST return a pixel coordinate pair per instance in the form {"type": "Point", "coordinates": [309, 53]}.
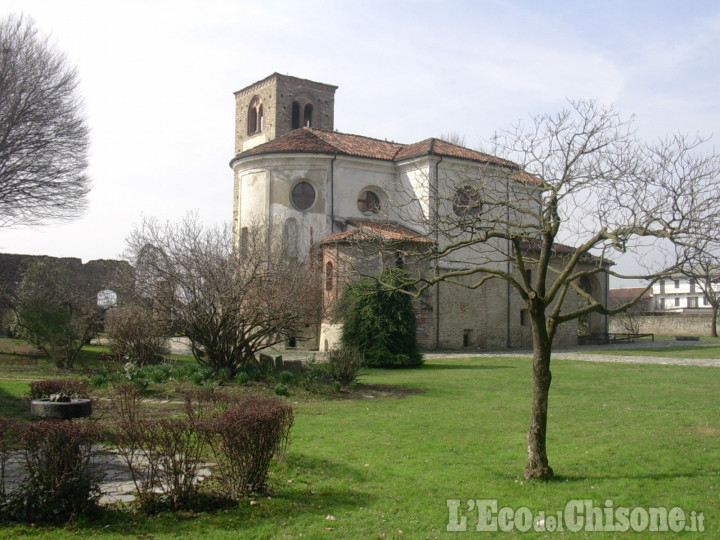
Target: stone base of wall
{"type": "Point", "coordinates": [673, 324]}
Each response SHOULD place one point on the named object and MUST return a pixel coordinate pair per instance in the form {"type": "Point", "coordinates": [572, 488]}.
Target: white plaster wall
{"type": "Point", "coordinates": [330, 333]}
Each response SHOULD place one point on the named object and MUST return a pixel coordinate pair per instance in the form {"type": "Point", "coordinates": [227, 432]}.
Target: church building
{"type": "Point", "coordinates": [332, 193]}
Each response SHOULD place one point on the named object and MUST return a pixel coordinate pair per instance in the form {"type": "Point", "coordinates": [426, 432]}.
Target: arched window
{"type": "Point", "coordinates": [295, 115]}
{"type": "Point", "coordinates": [467, 202]}
{"type": "Point", "coordinates": [303, 195]}
{"type": "Point", "coordinates": [106, 298]}
{"type": "Point", "coordinates": [368, 202]}
{"type": "Point", "coordinates": [255, 116]}
{"type": "Point", "coordinates": [329, 276]}
{"type": "Point", "coordinates": [307, 115]}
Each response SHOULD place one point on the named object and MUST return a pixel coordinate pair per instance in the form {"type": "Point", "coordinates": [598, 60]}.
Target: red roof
{"type": "Point", "coordinates": [629, 293]}
{"type": "Point", "coordinates": [367, 230]}
{"type": "Point", "coordinates": [326, 142]}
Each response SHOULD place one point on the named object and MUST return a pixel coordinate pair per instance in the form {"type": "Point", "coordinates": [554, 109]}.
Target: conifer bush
{"type": "Point", "coordinates": [379, 320]}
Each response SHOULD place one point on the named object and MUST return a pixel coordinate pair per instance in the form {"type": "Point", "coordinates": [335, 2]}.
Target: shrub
{"type": "Point", "coordinates": [380, 321]}
{"type": "Point", "coordinates": [137, 334]}
{"type": "Point", "coordinates": [163, 456]}
{"type": "Point", "coordinates": [246, 439]}
{"type": "Point", "coordinates": [59, 484]}
{"type": "Point", "coordinates": [73, 387]}
{"type": "Point", "coordinates": [345, 364]}
{"type": "Point", "coordinates": [314, 376]}
{"type": "Point", "coordinates": [99, 379]}
{"type": "Point", "coordinates": [52, 313]}
{"type": "Point", "coordinates": [242, 378]}
{"type": "Point", "coordinates": [285, 377]}
{"type": "Point", "coordinates": [280, 389]}
{"type": "Point", "coordinates": [201, 404]}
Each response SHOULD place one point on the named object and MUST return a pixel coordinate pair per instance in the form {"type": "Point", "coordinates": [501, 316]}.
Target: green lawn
{"type": "Point", "coordinates": [681, 351]}
{"type": "Point", "coordinates": [384, 467]}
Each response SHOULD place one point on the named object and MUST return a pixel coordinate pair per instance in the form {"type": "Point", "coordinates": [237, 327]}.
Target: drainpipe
{"type": "Point", "coordinates": [437, 262]}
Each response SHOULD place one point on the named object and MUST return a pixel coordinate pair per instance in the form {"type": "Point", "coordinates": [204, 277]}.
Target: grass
{"type": "Point", "coordinates": [681, 351]}
{"type": "Point", "coordinates": [384, 467]}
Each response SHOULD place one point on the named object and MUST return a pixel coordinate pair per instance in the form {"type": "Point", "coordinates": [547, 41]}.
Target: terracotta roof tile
{"type": "Point", "coordinates": [366, 230]}
{"type": "Point", "coordinates": [327, 142]}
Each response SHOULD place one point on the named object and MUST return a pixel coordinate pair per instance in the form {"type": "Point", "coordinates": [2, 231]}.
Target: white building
{"type": "Point", "coordinates": [680, 294]}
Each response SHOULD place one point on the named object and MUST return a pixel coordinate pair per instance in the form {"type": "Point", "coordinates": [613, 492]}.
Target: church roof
{"type": "Point", "coordinates": [369, 230]}
{"type": "Point", "coordinates": [309, 140]}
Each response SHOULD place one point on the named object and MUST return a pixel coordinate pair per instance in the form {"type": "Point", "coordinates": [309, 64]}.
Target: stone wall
{"type": "Point", "coordinates": [91, 277]}
{"type": "Point", "coordinates": [673, 324]}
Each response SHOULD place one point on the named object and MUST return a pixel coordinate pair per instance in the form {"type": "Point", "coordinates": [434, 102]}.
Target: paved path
{"type": "Point", "coordinates": [600, 353]}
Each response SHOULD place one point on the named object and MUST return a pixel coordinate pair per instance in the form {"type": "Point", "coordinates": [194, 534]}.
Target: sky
{"type": "Point", "coordinates": [157, 79]}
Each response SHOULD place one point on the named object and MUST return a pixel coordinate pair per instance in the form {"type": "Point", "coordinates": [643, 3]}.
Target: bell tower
{"type": "Point", "coordinates": [278, 104]}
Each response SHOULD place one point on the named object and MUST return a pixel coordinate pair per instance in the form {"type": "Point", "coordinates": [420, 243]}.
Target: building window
{"type": "Point", "coordinates": [466, 202]}
{"type": "Point", "coordinates": [399, 260]}
{"type": "Point", "coordinates": [524, 317]}
{"type": "Point", "coordinates": [368, 202]}
{"type": "Point", "coordinates": [307, 116]}
{"type": "Point", "coordinates": [677, 302]}
{"type": "Point", "coordinates": [295, 122]}
{"type": "Point", "coordinates": [662, 286]}
{"type": "Point", "coordinates": [467, 336]}
{"type": "Point", "coordinates": [303, 195]}
{"type": "Point", "coordinates": [692, 285]}
{"type": "Point", "coordinates": [329, 276]}
{"type": "Point", "coordinates": [662, 303]}
{"type": "Point", "coordinates": [693, 302]}
{"type": "Point", "coordinates": [255, 116]}
{"type": "Point", "coordinates": [677, 283]}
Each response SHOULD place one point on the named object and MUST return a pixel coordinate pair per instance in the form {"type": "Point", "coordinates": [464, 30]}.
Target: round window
{"type": "Point", "coordinates": [368, 201]}
{"type": "Point", "coordinates": [467, 202]}
{"type": "Point", "coordinates": [303, 195]}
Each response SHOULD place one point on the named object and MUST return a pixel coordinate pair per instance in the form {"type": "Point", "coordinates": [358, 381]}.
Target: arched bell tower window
{"type": "Point", "coordinates": [295, 115]}
{"type": "Point", "coordinates": [307, 116]}
{"type": "Point", "coordinates": [255, 116]}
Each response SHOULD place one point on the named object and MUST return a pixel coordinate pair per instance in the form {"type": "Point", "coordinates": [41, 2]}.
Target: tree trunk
{"type": "Point", "coordinates": [537, 462]}
{"type": "Point", "coordinates": [713, 330]}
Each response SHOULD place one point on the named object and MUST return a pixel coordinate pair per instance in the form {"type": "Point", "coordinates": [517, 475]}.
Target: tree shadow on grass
{"type": "Point", "coordinates": [14, 407]}
{"type": "Point", "coordinates": [436, 366]}
{"type": "Point", "coordinates": [300, 489]}
{"type": "Point", "coordinates": [572, 478]}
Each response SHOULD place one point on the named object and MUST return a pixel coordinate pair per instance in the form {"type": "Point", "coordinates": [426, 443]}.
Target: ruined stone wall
{"type": "Point", "coordinates": [91, 277]}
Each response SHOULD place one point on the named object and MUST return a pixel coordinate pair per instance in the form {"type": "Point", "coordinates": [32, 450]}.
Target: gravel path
{"type": "Point", "coordinates": [600, 353]}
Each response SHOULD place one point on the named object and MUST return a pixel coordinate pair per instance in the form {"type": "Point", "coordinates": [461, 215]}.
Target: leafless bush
{"type": "Point", "coordinates": [59, 484]}
{"type": "Point", "coordinates": [75, 388]}
{"type": "Point", "coordinates": [345, 364]}
{"type": "Point", "coordinates": [246, 438]}
{"type": "Point", "coordinates": [137, 333]}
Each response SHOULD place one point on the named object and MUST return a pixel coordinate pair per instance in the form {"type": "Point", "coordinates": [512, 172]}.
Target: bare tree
{"type": "Point", "coordinates": [230, 303]}
{"type": "Point", "coordinates": [703, 269]}
{"type": "Point", "coordinates": [577, 178]}
{"type": "Point", "coordinates": [43, 136]}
